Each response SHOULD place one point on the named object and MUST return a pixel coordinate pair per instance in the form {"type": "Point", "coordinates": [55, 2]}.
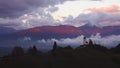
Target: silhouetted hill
{"type": "Point", "coordinates": [5, 51]}
{"type": "Point", "coordinates": [84, 56]}
{"type": "Point", "coordinates": [116, 49]}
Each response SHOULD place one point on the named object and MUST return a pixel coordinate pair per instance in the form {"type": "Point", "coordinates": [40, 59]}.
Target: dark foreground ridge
{"type": "Point", "coordinates": [88, 55]}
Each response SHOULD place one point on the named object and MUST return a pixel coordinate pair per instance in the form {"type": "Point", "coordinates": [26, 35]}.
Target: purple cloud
{"type": "Point", "coordinates": [95, 19]}
{"type": "Point", "coordinates": [15, 8]}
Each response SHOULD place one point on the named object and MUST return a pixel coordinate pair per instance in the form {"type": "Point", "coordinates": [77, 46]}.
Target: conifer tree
{"type": "Point", "coordinates": [32, 50]}
{"type": "Point", "coordinates": [54, 46]}
{"type": "Point", "coordinates": [17, 51]}
{"type": "Point", "coordinates": [90, 42]}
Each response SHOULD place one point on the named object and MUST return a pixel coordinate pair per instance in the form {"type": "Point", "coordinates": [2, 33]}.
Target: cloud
{"type": "Point", "coordinates": [52, 9]}
{"type": "Point", "coordinates": [27, 38]}
{"type": "Point", "coordinates": [64, 41]}
{"type": "Point", "coordinates": [9, 22]}
{"type": "Point", "coordinates": [41, 15]}
{"type": "Point", "coordinates": [16, 8]}
{"type": "Point", "coordinates": [113, 9]}
{"type": "Point", "coordinates": [112, 40]}
{"type": "Point", "coordinates": [15, 23]}
{"type": "Point", "coordinates": [36, 18]}
{"type": "Point", "coordinates": [23, 14]}
{"type": "Point", "coordinates": [99, 19]}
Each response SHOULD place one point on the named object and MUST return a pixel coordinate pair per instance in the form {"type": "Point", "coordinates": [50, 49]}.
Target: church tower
{"type": "Point", "coordinates": [85, 42]}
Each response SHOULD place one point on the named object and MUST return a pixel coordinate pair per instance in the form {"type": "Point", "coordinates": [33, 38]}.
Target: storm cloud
{"type": "Point", "coordinates": [15, 8]}
{"type": "Point", "coordinates": [36, 18]}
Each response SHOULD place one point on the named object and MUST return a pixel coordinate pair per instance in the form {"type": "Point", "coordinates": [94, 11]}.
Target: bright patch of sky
{"type": "Point", "coordinates": [74, 8]}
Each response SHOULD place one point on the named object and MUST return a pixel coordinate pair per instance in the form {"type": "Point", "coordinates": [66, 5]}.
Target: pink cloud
{"type": "Point", "coordinates": [113, 9]}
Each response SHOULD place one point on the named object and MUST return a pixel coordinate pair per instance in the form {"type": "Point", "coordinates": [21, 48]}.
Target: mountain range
{"type": "Point", "coordinates": [62, 31]}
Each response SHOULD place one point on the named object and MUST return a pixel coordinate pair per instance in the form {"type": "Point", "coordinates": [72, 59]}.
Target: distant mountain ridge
{"type": "Point", "coordinates": [6, 30]}
{"type": "Point", "coordinates": [71, 30]}
{"type": "Point", "coordinates": [63, 31]}
{"type": "Point", "coordinates": [104, 31]}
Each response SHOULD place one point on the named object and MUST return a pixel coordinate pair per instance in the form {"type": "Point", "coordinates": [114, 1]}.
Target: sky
{"type": "Point", "coordinates": [24, 14]}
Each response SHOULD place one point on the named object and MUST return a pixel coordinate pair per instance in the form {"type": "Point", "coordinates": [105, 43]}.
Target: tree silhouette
{"type": "Point", "coordinates": [116, 49]}
{"type": "Point", "coordinates": [17, 51]}
{"type": "Point", "coordinates": [68, 47]}
{"type": "Point", "coordinates": [90, 42]}
{"type": "Point", "coordinates": [64, 57]}
{"type": "Point", "coordinates": [32, 50]}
